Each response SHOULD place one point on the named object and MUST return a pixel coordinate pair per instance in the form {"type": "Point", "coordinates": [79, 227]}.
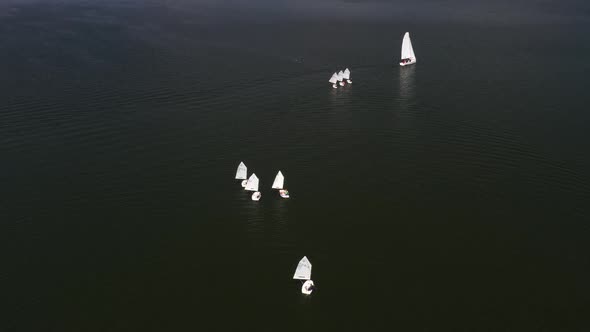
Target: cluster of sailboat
{"type": "Point", "coordinates": [340, 78]}
{"type": "Point", "coordinates": [251, 183]}
{"type": "Point", "coordinates": [303, 270]}
{"type": "Point", "coordinates": [408, 57]}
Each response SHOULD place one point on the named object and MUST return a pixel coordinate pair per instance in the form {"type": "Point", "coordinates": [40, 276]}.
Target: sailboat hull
{"type": "Point", "coordinates": [307, 287]}
{"type": "Point", "coordinates": [284, 193]}
{"type": "Point", "coordinates": [256, 196]}
{"type": "Point", "coordinates": [411, 62]}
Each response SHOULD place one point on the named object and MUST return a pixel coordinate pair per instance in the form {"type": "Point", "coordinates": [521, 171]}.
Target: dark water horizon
{"type": "Point", "coordinates": [451, 195]}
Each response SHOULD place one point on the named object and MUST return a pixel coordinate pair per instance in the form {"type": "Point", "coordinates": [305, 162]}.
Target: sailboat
{"type": "Point", "coordinates": [278, 184]}
{"type": "Point", "coordinates": [334, 80]}
{"type": "Point", "coordinates": [347, 76]}
{"type": "Point", "coordinates": [242, 173]}
{"type": "Point", "coordinates": [303, 272]}
{"type": "Point", "coordinates": [341, 78]}
{"type": "Point", "coordinates": [408, 56]}
{"type": "Point", "coordinates": [252, 185]}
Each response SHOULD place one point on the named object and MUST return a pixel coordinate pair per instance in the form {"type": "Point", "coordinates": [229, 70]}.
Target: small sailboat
{"type": "Point", "coordinates": [408, 56]}
{"type": "Point", "coordinates": [347, 76]}
{"type": "Point", "coordinates": [278, 184]}
{"type": "Point", "coordinates": [252, 185]}
{"type": "Point", "coordinates": [242, 173]}
{"type": "Point", "coordinates": [303, 272]}
{"type": "Point", "coordinates": [341, 78]}
{"type": "Point", "coordinates": [334, 80]}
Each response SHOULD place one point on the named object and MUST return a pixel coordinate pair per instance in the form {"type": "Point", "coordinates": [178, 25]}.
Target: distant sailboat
{"type": "Point", "coordinates": [278, 184]}
{"type": "Point", "coordinates": [347, 76]}
{"type": "Point", "coordinates": [242, 173]}
{"type": "Point", "coordinates": [408, 56]}
{"type": "Point", "coordinates": [252, 185]}
{"type": "Point", "coordinates": [341, 78]}
{"type": "Point", "coordinates": [303, 272]}
{"type": "Point", "coordinates": [334, 80]}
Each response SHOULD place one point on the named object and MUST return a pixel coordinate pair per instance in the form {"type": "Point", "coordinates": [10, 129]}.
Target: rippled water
{"type": "Point", "coordinates": [447, 196]}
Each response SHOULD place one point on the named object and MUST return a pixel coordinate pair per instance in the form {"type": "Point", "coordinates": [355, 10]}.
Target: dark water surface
{"type": "Point", "coordinates": [453, 195]}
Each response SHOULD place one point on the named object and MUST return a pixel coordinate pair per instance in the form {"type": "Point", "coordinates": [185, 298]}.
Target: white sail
{"type": "Point", "coordinates": [334, 78]}
{"type": "Point", "coordinates": [346, 74]}
{"type": "Point", "coordinates": [407, 50]}
{"type": "Point", "coordinates": [279, 181]}
{"type": "Point", "coordinates": [242, 172]}
{"type": "Point", "coordinates": [340, 75]}
{"type": "Point", "coordinates": [303, 271]}
{"type": "Point", "coordinates": [252, 184]}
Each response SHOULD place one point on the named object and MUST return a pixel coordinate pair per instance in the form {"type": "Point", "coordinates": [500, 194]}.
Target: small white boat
{"type": "Point", "coordinates": [307, 287]}
{"type": "Point", "coordinates": [278, 184]}
{"type": "Point", "coordinates": [341, 78]}
{"type": "Point", "coordinates": [346, 76]}
{"type": "Point", "coordinates": [252, 185]}
{"type": "Point", "coordinates": [303, 272]}
{"type": "Point", "coordinates": [334, 80]}
{"type": "Point", "coordinates": [408, 56]}
{"type": "Point", "coordinates": [242, 173]}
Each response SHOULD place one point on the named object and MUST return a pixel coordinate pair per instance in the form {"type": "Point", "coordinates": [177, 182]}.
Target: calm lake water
{"type": "Point", "coordinates": [453, 195]}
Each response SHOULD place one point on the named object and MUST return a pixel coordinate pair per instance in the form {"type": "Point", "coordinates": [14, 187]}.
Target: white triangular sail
{"type": "Point", "coordinates": [303, 271]}
{"type": "Point", "coordinates": [279, 181]}
{"type": "Point", "coordinates": [340, 75]}
{"type": "Point", "coordinates": [407, 50]}
{"type": "Point", "coordinates": [242, 172]}
{"type": "Point", "coordinates": [334, 78]}
{"type": "Point", "coordinates": [252, 184]}
{"type": "Point", "coordinates": [346, 74]}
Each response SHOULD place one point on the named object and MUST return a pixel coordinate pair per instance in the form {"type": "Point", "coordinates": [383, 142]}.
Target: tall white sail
{"type": "Point", "coordinates": [407, 50]}
{"type": "Point", "coordinates": [252, 184]}
{"type": "Point", "coordinates": [279, 181]}
{"type": "Point", "coordinates": [242, 172]}
{"type": "Point", "coordinates": [303, 271]}
{"type": "Point", "coordinates": [346, 74]}
{"type": "Point", "coordinates": [340, 75]}
{"type": "Point", "coordinates": [334, 78]}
